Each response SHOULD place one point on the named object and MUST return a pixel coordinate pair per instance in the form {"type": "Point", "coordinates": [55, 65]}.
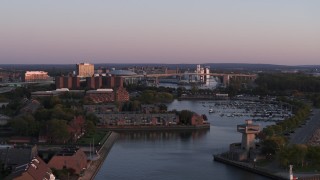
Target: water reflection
{"type": "Point", "coordinates": [184, 136]}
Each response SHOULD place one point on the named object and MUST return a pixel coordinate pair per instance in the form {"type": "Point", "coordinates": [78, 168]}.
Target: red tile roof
{"type": "Point", "coordinates": [36, 169]}
{"type": "Point", "coordinates": [74, 159]}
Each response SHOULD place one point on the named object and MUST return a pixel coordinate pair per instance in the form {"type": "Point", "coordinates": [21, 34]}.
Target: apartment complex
{"type": "Point", "coordinates": [122, 95]}
{"type": "Point", "coordinates": [34, 76]}
{"type": "Point", "coordinates": [108, 95]}
{"type": "Point", "coordinates": [85, 70]}
{"type": "Point", "coordinates": [69, 82]}
{"type": "Point", "coordinates": [104, 82]}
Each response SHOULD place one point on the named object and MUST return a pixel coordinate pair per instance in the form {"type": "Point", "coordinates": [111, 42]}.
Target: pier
{"type": "Point", "coordinates": [225, 78]}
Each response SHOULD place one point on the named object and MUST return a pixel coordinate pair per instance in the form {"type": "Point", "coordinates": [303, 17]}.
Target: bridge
{"type": "Point", "coordinates": [225, 78]}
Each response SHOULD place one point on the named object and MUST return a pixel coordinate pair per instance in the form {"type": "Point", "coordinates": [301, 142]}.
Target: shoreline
{"type": "Point", "coordinates": [95, 166]}
{"type": "Point", "coordinates": [248, 167]}
{"type": "Point", "coordinates": [280, 175]}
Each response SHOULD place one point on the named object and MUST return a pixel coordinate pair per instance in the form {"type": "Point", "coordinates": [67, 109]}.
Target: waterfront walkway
{"type": "Point", "coordinates": [94, 166]}
{"type": "Point", "coordinates": [250, 167]}
{"type": "Point", "coordinates": [270, 172]}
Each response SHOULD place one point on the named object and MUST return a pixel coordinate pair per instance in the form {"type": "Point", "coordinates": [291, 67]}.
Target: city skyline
{"type": "Point", "coordinates": [171, 32]}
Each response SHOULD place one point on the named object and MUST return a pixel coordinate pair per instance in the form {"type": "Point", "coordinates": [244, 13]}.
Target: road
{"type": "Point", "coordinates": [304, 133]}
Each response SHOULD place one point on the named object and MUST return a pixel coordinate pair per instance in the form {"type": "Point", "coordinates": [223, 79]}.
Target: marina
{"type": "Point", "coordinates": [266, 111]}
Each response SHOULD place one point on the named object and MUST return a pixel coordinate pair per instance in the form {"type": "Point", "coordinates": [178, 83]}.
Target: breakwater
{"type": "Point", "coordinates": [248, 167]}
{"type": "Point", "coordinates": [266, 172]}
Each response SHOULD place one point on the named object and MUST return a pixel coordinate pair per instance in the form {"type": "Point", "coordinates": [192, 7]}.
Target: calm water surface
{"type": "Point", "coordinates": [177, 155]}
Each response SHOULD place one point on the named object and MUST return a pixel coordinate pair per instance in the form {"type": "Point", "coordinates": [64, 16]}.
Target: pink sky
{"type": "Point", "coordinates": [146, 31]}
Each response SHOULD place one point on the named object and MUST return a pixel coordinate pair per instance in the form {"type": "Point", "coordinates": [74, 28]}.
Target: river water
{"type": "Point", "coordinates": [177, 155]}
{"type": "Point", "coordinates": [210, 84]}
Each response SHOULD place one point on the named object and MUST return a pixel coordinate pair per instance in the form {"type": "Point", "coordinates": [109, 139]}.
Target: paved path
{"type": "Point", "coordinates": [304, 133]}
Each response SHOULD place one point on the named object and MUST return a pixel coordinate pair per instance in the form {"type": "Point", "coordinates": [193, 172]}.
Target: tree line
{"type": "Point", "coordinates": [275, 145]}
{"type": "Point", "coordinates": [283, 82]}
{"type": "Point", "coordinates": [51, 119]}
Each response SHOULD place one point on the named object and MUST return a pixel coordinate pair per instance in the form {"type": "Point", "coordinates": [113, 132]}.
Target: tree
{"type": "Point", "coordinates": [60, 112]}
{"type": "Point", "coordinates": [49, 103]}
{"type": "Point", "coordinates": [284, 157]}
{"type": "Point", "coordinates": [185, 117]}
{"type": "Point", "coordinates": [164, 97]}
{"type": "Point", "coordinates": [13, 108]}
{"type": "Point", "coordinates": [277, 129]}
{"type": "Point", "coordinates": [282, 83]}
{"type": "Point", "coordinates": [313, 155]}
{"type": "Point", "coordinates": [295, 154]}
{"type": "Point", "coordinates": [268, 131]}
{"type": "Point", "coordinates": [272, 144]}
{"type": "Point", "coordinates": [147, 97]}
{"type": "Point", "coordinates": [194, 89]}
{"type": "Point", "coordinates": [151, 97]}
{"type": "Point", "coordinates": [135, 105]}
{"type": "Point", "coordinates": [93, 118]}
{"type": "Point", "coordinates": [19, 126]}
{"type": "Point", "coordinates": [43, 114]}
{"type": "Point", "coordinates": [163, 108]}
{"type": "Point", "coordinates": [90, 127]}
{"type": "Point", "coordinates": [32, 125]}
{"type": "Point", "coordinates": [58, 131]}
{"type": "Point", "coordinates": [180, 91]}
{"type": "Point", "coordinates": [25, 125]}
{"type": "Point", "coordinates": [299, 154]}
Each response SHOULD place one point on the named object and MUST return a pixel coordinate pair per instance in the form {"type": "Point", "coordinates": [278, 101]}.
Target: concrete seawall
{"type": "Point", "coordinates": [95, 166]}
{"type": "Point", "coordinates": [247, 167]}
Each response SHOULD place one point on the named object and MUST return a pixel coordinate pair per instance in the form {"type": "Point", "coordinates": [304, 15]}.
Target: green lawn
{"type": "Point", "coordinates": [97, 137]}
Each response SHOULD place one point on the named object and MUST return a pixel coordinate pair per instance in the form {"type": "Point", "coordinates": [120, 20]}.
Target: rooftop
{"type": "Point", "coordinates": [36, 72]}
{"type": "Point", "coordinates": [98, 91]}
{"type": "Point", "coordinates": [122, 72]}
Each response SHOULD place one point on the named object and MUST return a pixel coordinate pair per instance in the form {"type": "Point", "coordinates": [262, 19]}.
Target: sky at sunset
{"type": "Point", "coordinates": [160, 31]}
